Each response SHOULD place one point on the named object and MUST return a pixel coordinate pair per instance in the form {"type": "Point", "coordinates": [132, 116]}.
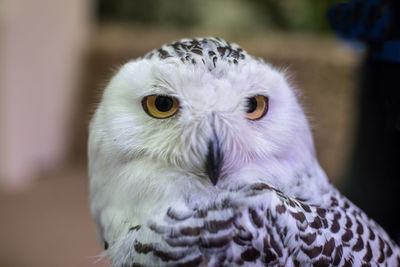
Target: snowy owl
{"type": "Point", "coordinates": [201, 155]}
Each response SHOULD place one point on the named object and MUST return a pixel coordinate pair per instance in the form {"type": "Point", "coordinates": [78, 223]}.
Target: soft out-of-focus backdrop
{"type": "Point", "coordinates": [57, 56]}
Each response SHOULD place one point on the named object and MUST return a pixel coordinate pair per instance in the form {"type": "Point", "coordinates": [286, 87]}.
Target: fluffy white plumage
{"type": "Point", "coordinates": [151, 193]}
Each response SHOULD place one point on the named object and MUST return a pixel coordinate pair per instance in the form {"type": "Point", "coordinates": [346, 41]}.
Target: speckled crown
{"type": "Point", "coordinates": [207, 51]}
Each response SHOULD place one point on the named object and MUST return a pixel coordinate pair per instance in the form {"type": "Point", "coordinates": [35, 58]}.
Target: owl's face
{"type": "Point", "coordinates": [206, 120]}
{"type": "Point", "coordinates": [188, 123]}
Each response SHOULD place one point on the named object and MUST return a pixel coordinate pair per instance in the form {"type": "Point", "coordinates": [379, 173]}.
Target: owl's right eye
{"type": "Point", "coordinates": [160, 106]}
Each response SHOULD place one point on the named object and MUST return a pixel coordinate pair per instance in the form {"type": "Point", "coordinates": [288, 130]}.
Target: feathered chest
{"type": "Point", "coordinates": [258, 225]}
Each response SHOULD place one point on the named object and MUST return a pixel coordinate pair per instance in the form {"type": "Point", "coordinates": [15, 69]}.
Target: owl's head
{"type": "Point", "coordinates": [201, 111]}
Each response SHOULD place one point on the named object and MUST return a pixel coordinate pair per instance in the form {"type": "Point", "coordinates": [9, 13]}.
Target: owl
{"type": "Point", "coordinates": [201, 155]}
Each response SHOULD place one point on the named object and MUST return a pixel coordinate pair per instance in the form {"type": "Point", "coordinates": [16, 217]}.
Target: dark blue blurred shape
{"type": "Point", "coordinates": [375, 22]}
{"type": "Point", "coordinates": [361, 19]}
{"type": "Point", "coordinates": [373, 178]}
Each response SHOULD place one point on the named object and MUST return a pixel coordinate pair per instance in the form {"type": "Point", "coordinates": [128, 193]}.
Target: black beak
{"type": "Point", "coordinates": [214, 160]}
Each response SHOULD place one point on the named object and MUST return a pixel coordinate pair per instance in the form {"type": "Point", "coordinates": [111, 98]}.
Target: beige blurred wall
{"type": "Point", "coordinates": [42, 43]}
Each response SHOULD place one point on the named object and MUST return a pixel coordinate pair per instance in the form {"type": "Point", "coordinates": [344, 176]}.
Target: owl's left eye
{"type": "Point", "coordinates": [160, 106]}
{"type": "Point", "coordinates": [257, 107]}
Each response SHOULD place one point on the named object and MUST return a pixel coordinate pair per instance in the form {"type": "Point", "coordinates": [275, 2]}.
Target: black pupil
{"type": "Point", "coordinates": [163, 103]}
{"type": "Point", "coordinates": [251, 105]}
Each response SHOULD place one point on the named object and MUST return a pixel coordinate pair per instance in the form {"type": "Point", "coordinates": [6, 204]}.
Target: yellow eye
{"type": "Point", "coordinates": [257, 107]}
{"type": "Point", "coordinates": [160, 106]}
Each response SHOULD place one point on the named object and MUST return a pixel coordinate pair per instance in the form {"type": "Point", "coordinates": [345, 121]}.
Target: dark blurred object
{"type": "Point", "coordinates": [178, 13]}
{"type": "Point", "coordinates": [367, 20]}
{"type": "Point", "coordinates": [374, 173]}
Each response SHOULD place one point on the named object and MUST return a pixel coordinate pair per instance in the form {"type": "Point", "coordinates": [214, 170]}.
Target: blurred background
{"type": "Point", "coordinates": [57, 56]}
